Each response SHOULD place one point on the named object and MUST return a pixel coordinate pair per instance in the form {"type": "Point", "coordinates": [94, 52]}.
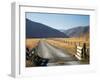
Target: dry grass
{"type": "Point", "coordinates": [32, 43]}
{"type": "Point", "coordinates": [62, 45]}
{"type": "Point", "coordinates": [69, 44]}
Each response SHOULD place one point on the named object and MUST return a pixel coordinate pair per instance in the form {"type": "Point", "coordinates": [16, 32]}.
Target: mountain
{"type": "Point", "coordinates": [38, 30]}
{"type": "Point", "coordinates": [77, 31]}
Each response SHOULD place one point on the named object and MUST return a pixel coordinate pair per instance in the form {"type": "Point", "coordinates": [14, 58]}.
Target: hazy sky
{"type": "Point", "coordinates": [59, 21]}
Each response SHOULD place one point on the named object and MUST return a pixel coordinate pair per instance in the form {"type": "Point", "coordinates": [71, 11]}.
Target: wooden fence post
{"type": "Point", "coordinates": [84, 50]}
{"type": "Point", "coordinates": [81, 52]}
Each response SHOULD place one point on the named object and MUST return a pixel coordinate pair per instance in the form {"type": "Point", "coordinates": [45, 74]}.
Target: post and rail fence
{"type": "Point", "coordinates": [81, 49]}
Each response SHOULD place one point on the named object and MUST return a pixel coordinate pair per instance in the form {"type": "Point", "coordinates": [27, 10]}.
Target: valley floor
{"type": "Point", "coordinates": [58, 52]}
